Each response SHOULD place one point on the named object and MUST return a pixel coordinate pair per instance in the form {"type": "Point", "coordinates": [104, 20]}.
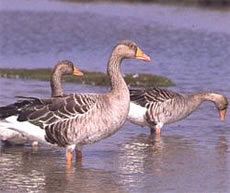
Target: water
{"type": "Point", "coordinates": [189, 45]}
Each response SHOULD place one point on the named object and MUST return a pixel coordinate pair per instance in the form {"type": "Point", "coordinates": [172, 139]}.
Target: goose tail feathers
{"type": "Point", "coordinates": [15, 108]}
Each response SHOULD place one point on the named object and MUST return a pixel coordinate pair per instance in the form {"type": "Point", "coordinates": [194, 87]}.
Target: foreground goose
{"type": "Point", "coordinates": [62, 68]}
{"type": "Point", "coordinates": [78, 119]}
{"type": "Point", "coordinates": [155, 107]}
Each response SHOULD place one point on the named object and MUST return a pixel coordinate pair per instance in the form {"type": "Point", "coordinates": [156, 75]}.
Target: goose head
{"type": "Point", "coordinates": [128, 49]}
{"type": "Point", "coordinates": [62, 68]}
{"type": "Point", "coordinates": [220, 101]}
{"type": "Point", "coordinates": [66, 67]}
{"type": "Point", "coordinates": [222, 105]}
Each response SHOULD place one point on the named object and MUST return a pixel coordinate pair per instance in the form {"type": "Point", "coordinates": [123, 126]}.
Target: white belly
{"type": "Point", "coordinates": [25, 128]}
{"type": "Point", "coordinates": [137, 114]}
{"type": "Point", "coordinates": [11, 136]}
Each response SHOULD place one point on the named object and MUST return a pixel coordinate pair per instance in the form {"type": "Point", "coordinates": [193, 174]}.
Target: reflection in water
{"type": "Point", "coordinates": [43, 171]}
{"type": "Point", "coordinates": [222, 161]}
{"type": "Point", "coordinates": [140, 163]}
{"type": "Point", "coordinates": [92, 180]}
{"type": "Point", "coordinates": [148, 155]}
{"type": "Point", "coordinates": [15, 173]}
{"type": "Point", "coordinates": [168, 163]}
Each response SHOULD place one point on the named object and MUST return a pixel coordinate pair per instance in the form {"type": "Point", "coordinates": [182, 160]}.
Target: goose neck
{"type": "Point", "coordinates": [205, 96]}
{"type": "Point", "coordinates": [114, 72]}
{"type": "Point", "coordinates": [55, 83]}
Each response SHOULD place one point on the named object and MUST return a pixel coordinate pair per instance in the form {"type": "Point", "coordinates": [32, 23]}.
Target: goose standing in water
{"type": "Point", "coordinates": [78, 119]}
{"type": "Point", "coordinates": [155, 107]}
{"type": "Point", "coordinates": [62, 68]}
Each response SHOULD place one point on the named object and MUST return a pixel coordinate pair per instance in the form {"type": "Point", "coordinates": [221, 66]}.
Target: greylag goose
{"type": "Point", "coordinates": [155, 107]}
{"type": "Point", "coordinates": [78, 119]}
{"type": "Point", "coordinates": [62, 68]}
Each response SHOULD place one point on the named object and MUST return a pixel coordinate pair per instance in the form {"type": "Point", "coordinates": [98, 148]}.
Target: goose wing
{"type": "Point", "coordinates": [58, 115]}
{"type": "Point", "coordinates": [158, 103]}
{"type": "Point", "coordinates": [145, 97]}
{"type": "Point", "coordinates": [48, 111]}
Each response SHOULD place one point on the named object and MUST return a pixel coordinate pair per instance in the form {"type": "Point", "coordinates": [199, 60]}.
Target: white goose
{"type": "Point", "coordinates": [62, 68]}
{"type": "Point", "coordinates": [78, 119]}
{"type": "Point", "coordinates": [155, 107]}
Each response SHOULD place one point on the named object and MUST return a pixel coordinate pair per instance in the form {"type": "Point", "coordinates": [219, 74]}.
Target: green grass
{"type": "Point", "coordinates": [92, 78]}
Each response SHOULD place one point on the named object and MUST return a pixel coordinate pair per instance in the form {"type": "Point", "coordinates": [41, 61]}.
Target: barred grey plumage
{"type": "Point", "coordinates": [61, 69]}
{"type": "Point", "coordinates": [154, 107]}
{"type": "Point", "coordinates": [79, 119]}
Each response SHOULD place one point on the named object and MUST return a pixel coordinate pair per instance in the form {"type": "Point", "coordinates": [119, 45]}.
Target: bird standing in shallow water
{"type": "Point", "coordinates": [61, 69]}
{"type": "Point", "coordinates": [77, 119]}
{"type": "Point", "coordinates": [154, 107]}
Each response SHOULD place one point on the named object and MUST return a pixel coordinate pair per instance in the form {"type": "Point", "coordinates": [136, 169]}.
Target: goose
{"type": "Point", "coordinates": [154, 107]}
{"type": "Point", "coordinates": [62, 68]}
{"type": "Point", "coordinates": [75, 120]}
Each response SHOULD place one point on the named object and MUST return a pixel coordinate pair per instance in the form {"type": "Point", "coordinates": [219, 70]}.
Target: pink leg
{"type": "Point", "coordinates": [35, 144]}
{"type": "Point", "coordinates": [69, 156]}
{"type": "Point", "coordinates": [78, 153]}
{"type": "Point", "coordinates": [158, 130]}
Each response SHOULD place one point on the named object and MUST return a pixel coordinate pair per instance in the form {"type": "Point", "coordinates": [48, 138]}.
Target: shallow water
{"type": "Point", "coordinates": [189, 45]}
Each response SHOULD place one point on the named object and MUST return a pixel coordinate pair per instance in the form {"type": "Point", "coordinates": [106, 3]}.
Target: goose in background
{"type": "Point", "coordinates": [154, 107]}
{"type": "Point", "coordinates": [61, 69]}
{"type": "Point", "coordinates": [75, 120]}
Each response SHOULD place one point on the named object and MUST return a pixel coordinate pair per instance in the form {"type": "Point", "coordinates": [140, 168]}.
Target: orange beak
{"type": "Point", "coordinates": [140, 55]}
{"type": "Point", "coordinates": [77, 72]}
{"type": "Point", "coordinates": [223, 114]}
